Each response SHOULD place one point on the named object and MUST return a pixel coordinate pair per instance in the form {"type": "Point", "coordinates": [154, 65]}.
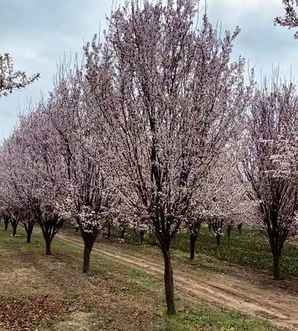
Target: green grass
{"type": "Point", "coordinates": [113, 296]}
{"type": "Point", "coordinates": [251, 249]}
{"type": "Point", "coordinates": [201, 319]}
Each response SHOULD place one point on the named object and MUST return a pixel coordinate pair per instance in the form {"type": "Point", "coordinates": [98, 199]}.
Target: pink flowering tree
{"type": "Point", "coordinates": [11, 79]}
{"type": "Point", "coordinates": [126, 219]}
{"type": "Point", "coordinates": [9, 194]}
{"type": "Point", "coordinates": [270, 182]}
{"type": "Point", "coordinates": [290, 20]}
{"type": "Point", "coordinates": [171, 97]}
{"type": "Point", "coordinates": [15, 194]}
{"type": "Point", "coordinates": [219, 202]}
{"type": "Point", "coordinates": [42, 169]}
{"type": "Point", "coordinates": [88, 195]}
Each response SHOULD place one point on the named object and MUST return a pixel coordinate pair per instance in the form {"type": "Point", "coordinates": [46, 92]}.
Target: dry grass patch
{"type": "Point", "coordinates": [77, 321]}
{"type": "Point", "coordinates": [51, 294]}
{"type": "Point", "coordinates": [20, 314]}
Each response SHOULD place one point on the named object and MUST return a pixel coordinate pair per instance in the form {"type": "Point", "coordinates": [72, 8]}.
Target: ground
{"type": "Point", "coordinates": [124, 290]}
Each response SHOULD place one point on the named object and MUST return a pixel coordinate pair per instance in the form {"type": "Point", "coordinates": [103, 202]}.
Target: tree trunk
{"type": "Point", "coordinates": [122, 235]}
{"type": "Point", "coordinates": [194, 233]}
{"type": "Point", "coordinates": [29, 234]}
{"type": "Point", "coordinates": [229, 231]}
{"type": "Point", "coordinates": [218, 240]}
{"type": "Point", "coordinates": [276, 266]}
{"type": "Point", "coordinates": [29, 230]}
{"type": "Point", "coordinates": [89, 240]}
{"type": "Point", "coordinates": [48, 246]}
{"type": "Point", "coordinates": [192, 248]}
{"type": "Point", "coordinates": [169, 282]}
{"type": "Point", "coordinates": [6, 225]}
{"type": "Point", "coordinates": [142, 234]}
{"type": "Point", "coordinates": [48, 236]}
{"type": "Point", "coordinates": [276, 244]}
{"type": "Point", "coordinates": [209, 226]}
{"type": "Point", "coordinates": [239, 228]}
{"type": "Point", "coordinates": [49, 230]}
{"type": "Point", "coordinates": [87, 252]}
{"type": "Point", "coordinates": [14, 228]}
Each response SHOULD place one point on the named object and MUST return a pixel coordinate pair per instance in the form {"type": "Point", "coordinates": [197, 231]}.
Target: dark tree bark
{"type": "Point", "coordinates": [169, 282]}
{"type": "Point", "coordinates": [49, 230]}
{"type": "Point", "coordinates": [276, 267]}
{"type": "Point", "coordinates": [142, 235]}
{"type": "Point", "coordinates": [29, 229]}
{"type": "Point", "coordinates": [89, 239]}
{"type": "Point", "coordinates": [217, 226]}
{"type": "Point", "coordinates": [194, 233]}
{"type": "Point", "coordinates": [109, 230]}
{"type": "Point", "coordinates": [209, 226]}
{"type": "Point", "coordinates": [122, 233]}
{"type": "Point", "coordinates": [6, 222]}
{"type": "Point", "coordinates": [239, 226]}
{"type": "Point", "coordinates": [218, 240]}
{"type": "Point", "coordinates": [86, 261]}
{"type": "Point", "coordinates": [276, 240]}
{"type": "Point", "coordinates": [48, 243]}
{"type": "Point", "coordinates": [14, 225]}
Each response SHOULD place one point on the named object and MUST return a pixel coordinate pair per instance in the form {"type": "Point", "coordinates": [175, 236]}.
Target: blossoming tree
{"type": "Point", "coordinates": [88, 194]}
{"type": "Point", "coordinates": [16, 188]}
{"type": "Point", "coordinates": [290, 20]}
{"type": "Point", "coordinates": [42, 170]}
{"type": "Point", "coordinates": [172, 95]}
{"type": "Point", "coordinates": [272, 119]}
{"type": "Point", "coordinates": [219, 202]}
{"type": "Point", "coordinates": [9, 78]}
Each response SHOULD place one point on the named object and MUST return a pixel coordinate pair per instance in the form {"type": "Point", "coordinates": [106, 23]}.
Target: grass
{"type": "Point", "coordinates": [250, 249]}
{"type": "Point", "coordinates": [50, 293]}
{"type": "Point", "coordinates": [201, 319]}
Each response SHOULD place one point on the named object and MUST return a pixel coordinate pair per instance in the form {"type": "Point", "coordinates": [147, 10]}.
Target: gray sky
{"type": "Point", "coordinates": [39, 33]}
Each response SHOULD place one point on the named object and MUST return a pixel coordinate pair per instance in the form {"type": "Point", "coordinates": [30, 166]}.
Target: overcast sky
{"type": "Point", "coordinates": [38, 34]}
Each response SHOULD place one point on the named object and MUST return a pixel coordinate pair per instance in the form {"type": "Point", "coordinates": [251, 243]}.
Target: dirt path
{"type": "Point", "coordinates": [275, 305]}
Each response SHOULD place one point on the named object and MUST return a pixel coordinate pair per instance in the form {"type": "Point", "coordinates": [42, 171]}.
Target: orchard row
{"type": "Point", "coordinates": [158, 130]}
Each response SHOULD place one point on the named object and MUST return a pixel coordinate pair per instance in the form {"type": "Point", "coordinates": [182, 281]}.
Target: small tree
{"type": "Point", "coordinates": [88, 191]}
{"type": "Point", "coordinates": [272, 118]}
{"type": "Point", "coordinates": [42, 171]}
{"type": "Point", "coordinates": [218, 200]}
